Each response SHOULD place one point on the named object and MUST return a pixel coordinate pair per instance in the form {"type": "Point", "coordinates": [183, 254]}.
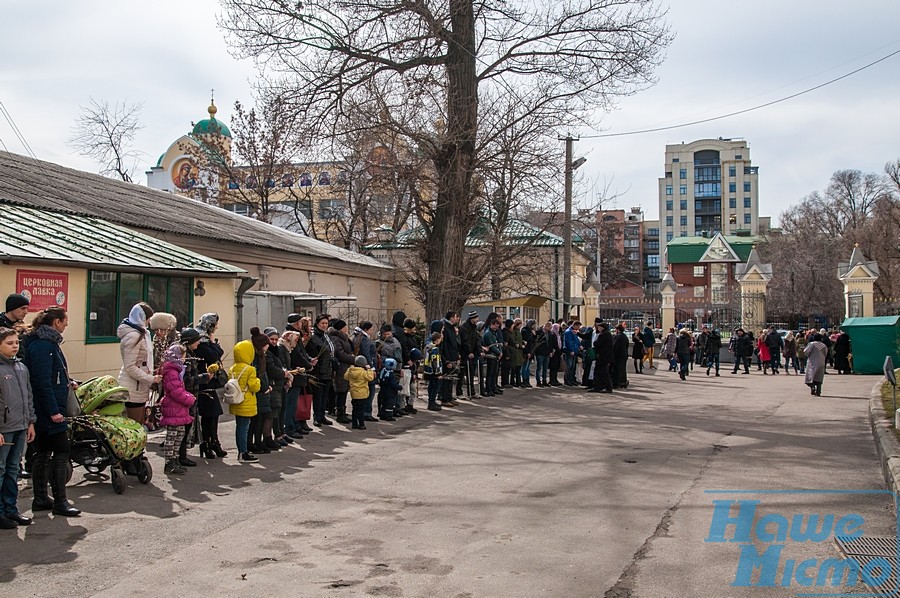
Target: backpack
{"type": "Point", "coordinates": [232, 393]}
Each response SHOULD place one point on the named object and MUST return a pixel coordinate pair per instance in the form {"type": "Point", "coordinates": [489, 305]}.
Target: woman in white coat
{"type": "Point", "coordinates": [816, 356]}
{"type": "Point", "coordinates": [138, 371]}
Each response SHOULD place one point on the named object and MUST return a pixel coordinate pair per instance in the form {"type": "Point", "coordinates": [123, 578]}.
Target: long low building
{"type": "Point", "coordinates": [96, 246]}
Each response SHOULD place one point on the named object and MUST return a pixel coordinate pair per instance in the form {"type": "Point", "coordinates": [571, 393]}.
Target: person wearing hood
{"type": "Point", "coordinates": [137, 373]}
{"type": "Point", "coordinates": [209, 354]}
{"type": "Point", "coordinates": [175, 406]}
{"type": "Point", "coordinates": [16, 427]}
{"type": "Point", "coordinates": [244, 372]}
{"type": "Point", "coordinates": [359, 376]}
{"type": "Point", "coordinates": [321, 348]}
{"type": "Point", "coordinates": [620, 358]}
{"type": "Point", "coordinates": [50, 384]}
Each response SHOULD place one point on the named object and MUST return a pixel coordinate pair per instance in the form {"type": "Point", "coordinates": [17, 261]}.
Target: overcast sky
{"type": "Point", "coordinates": [726, 57]}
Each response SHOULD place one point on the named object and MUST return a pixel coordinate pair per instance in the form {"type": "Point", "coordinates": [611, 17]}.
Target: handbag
{"type": "Point", "coordinates": [73, 407]}
{"type": "Point", "coordinates": [304, 407]}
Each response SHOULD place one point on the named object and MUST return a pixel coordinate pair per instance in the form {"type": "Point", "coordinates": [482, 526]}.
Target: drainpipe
{"type": "Point", "coordinates": [246, 284]}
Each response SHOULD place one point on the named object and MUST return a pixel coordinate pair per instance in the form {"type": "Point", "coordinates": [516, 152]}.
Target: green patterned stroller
{"type": "Point", "coordinates": [102, 437]}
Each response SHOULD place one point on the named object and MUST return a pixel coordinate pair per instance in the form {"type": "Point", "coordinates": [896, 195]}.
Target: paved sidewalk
{"type": "Point", "coordinates": [539, 492]}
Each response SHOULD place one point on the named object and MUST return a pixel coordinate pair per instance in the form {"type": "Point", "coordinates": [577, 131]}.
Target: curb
{"type": "Point", "coordinates": [886, 442]}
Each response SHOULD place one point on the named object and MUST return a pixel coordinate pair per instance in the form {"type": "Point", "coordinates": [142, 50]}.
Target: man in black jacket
{"type": "Point", "coordinates": [470, 351]}
{"type": "Point", "coordinates": [743, 351]}
{"type": "Point", "coordinates": [713, 345]}
{"type": "Point", "coordinates": [449, 357]}
{"type": "Point", "coordinates": [603, 358]}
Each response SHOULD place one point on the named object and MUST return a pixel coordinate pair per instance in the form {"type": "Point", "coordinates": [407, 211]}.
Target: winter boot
{"type": "Point", "coordinates": [173, 466]}
{"type": "Point", "coordinates": [40, 478]}
{"type": "Point", "coordinates": [342, 416]}
{"type": "Point", "coordinates": [216, 447]}
{"type": "Point", "coordinates": [59, 471]}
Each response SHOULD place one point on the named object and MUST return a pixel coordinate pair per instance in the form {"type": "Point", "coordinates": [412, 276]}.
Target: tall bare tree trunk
{"type": "Point", "coordinates": [454, 164]}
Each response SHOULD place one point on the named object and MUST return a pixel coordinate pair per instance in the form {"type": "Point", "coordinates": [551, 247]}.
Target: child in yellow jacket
{"type": "Point", "coordinates": [359, 375]}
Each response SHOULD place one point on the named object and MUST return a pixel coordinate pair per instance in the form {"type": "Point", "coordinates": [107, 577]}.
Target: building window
{"type": "Point", "coordinates": [653, 260]}
{"type": "Point", "coordinates": [682, 174]}
{"type": "Point", "coordinates": [684, 221]}
{"type": "Point", "coordinates": [747, 187]}
{"type": "Point", "coordinates": [699, 271]}
{"type": "Point", "coordinates": [698, 221]}
{"type": "Point", "coordinates": [668, 236]}
{"type": "Point", "coordinates": [653, 245]}
{"type": "Point", "coordinates": [732, 203]}
{"type": "Point", "coordinates": [732, 187]}
{"type": "Point", "coordinates": [668, 205]}
{"type": "Point", "coordinates": [676, 159]}
{"type": "Point", "coordinates": [652, 232]}
{"type": "Point", "coordinates": [653, 272]}
{"type": "Point", "coordinates": [746, 218]}
{"type": "Point", "coordinates": [707, 189]}
{"type": "Point", "coordinates": [331, 209]}
{"type": "Point", "coordinates": [682, 205]}
{"type": "Point", "coordinates": [111, 295]}
{"type": "Point", "coordinates": [738, 156]}
{"type": "Point", "coordinates": [668, 221]}
{"type": "Point", "coordinates": [239, 208]}
{"type": "Point", "coordinates": [747, 202]}
{"type": "Point", "coordinates": [668, 189]}
{"type": "Point", "coordinates": [683, 189]}
{"type": "Point", "coordinates": [683, 233]}
{"type": "Point", "coordinates": [732, 171]}
{"type": "Point", "coordinates": [699, 292]}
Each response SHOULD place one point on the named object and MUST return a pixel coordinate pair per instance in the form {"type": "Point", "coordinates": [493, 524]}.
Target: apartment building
{"type": "Point", "coordinates": [709, 186]}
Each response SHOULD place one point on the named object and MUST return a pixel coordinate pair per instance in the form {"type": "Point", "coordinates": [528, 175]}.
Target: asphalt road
{"type": "Point", "coordinates": [536, 493]}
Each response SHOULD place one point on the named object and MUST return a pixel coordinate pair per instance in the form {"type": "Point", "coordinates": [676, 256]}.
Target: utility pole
{"type": "Point", "coordinates": [571, 166]}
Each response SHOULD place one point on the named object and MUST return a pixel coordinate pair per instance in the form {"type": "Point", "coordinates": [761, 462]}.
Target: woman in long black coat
{"type": "Point", "coordinates": [637, 350]}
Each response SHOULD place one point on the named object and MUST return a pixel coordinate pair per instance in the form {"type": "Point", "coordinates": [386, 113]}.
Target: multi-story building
{"type": "Point", "coordinates": [650, 258]}
{"type": "Point", "coordinates": [709, 187]}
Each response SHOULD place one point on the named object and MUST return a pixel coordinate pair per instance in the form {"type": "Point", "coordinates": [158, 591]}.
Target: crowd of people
{"type": "Point", "coordinates": [283, 380]}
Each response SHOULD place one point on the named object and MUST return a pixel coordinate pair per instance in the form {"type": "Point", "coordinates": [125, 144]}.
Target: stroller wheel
{"type": "Point", "coordinates": [118, 479]}
{"type": "Point", "coordinates": [145, 471]}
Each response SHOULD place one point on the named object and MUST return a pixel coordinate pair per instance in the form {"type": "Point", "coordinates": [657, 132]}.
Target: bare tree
{"type": "Point", "coordinates": [427, 65]}
{"type": "Point", "coordinates": [821, 231]}
{"type": "Point", "coordinates": [105, 133]}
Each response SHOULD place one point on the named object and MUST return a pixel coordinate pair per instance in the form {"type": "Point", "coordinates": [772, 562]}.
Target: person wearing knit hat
{"type": "Point", "coordinates": [189, 336]}
{"type": "Point", "coordinates": [16, 310]}
{"type": "Point", "coordinates": [270, 331]}
{"type": "Point", "coordinates": [472, 315]}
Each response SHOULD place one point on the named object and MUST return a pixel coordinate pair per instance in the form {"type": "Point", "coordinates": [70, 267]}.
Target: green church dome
{"type": "Point", "coordinates": [211, 126]}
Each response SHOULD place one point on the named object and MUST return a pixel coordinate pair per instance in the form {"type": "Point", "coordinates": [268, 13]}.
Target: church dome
{"type": "Point", "coordinates": [211, 126]}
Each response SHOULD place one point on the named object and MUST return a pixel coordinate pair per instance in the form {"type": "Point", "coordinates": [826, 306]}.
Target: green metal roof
{"type": "Point", "coordinates": [33, 234]}
{"type": "Point", "coordinates": [689, 250]}
{"type": "Point", "coordinates": [211, 126]}
{"type": "Point", "coordinates": [516, 232]}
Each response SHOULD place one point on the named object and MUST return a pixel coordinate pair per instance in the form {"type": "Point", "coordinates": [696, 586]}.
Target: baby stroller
{"type": "Point", "coordinates": [102, 437]}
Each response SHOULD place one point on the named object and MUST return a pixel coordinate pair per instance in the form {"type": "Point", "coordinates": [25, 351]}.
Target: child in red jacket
{"type": "Point", "coordinates": [175, 405]}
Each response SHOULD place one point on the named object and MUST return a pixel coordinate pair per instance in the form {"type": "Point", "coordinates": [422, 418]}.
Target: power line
{"type": "Point", "coordinates": [744, 111]}
{"type": "Point", "coordinates": [16, 130]}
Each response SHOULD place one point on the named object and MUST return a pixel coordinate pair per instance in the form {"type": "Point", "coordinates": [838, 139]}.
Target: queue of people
{"type": "Point", "coordinates": [304, 373]}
